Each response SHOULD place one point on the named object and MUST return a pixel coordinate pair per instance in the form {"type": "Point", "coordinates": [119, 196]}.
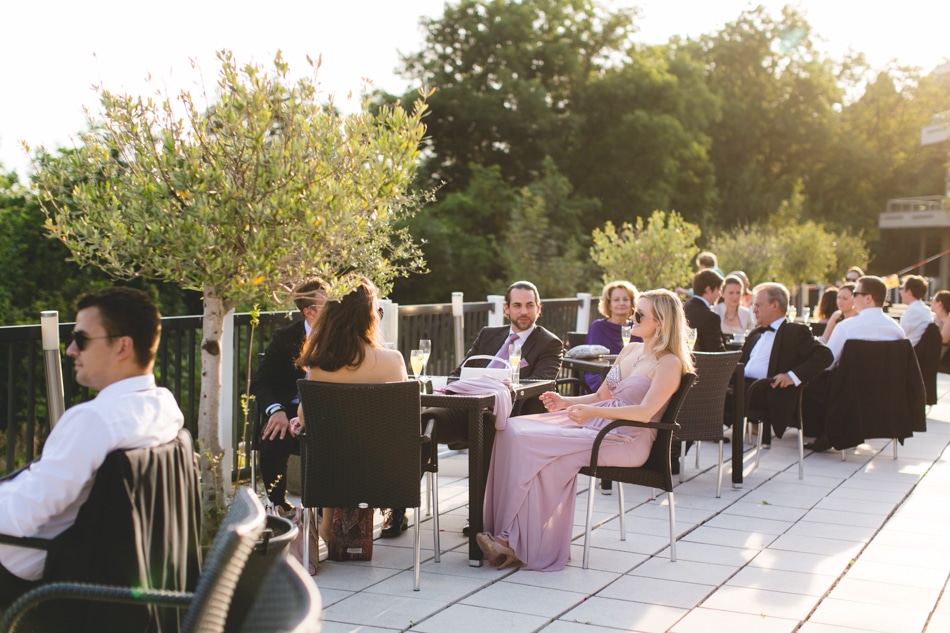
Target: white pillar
{"type": "Point", "coordinates": [389, 327]}
{"type": "Point", "coordinates": [226, 401]}
{"type": "Point", "coordinates": [583, 312]}
{"type": "Point", "coordinates": [496, 315]}
{"type": "Point", "coordinates": [458, 318]}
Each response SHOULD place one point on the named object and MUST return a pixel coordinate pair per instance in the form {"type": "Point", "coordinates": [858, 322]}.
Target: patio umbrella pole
{"type": "Point", "coordinates": [49, 322]}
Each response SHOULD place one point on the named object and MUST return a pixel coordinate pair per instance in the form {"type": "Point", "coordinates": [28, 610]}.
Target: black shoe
{"type": "Point", "coordinates": [467, 530]}
{"type": "Point", "coordinates": [396, 524]}
{"type": "Point", "coordinates": [725, 440]}
{"type": "Point", "coordinates": [820, 445]}
{"type": "Point", "coordinates": [285, 506]}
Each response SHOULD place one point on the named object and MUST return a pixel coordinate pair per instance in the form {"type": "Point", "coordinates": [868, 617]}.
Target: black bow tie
{"type": "Point", "coordinates": [764, 329]}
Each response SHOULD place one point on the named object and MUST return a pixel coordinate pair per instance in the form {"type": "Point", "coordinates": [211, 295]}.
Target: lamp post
{"type": "Point", "coordinates": [49, 325]}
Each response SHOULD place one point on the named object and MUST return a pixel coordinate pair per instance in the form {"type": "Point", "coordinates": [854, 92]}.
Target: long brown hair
{"type": "Point", "coordinates": [343, 331]}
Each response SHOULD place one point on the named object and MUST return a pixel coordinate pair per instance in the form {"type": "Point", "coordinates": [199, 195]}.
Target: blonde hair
{"type": "Point", "coordinates": [604, 306]}
{"type": "Point", "coordinates": [671, 329]}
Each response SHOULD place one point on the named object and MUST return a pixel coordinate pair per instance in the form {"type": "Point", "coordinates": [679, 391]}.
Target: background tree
{"type": "Point", "coordinates": [237, 199]}
{"type": "Point", "coordinates": [658, 253]}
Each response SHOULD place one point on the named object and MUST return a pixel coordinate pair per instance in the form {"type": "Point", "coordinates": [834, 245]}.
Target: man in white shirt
{"type": "Point", "coordinates": [870, 323]}
{"type": "Point", "coordinates": [113, 346]}
{"type": "Point", "coordinates": [917, 316]}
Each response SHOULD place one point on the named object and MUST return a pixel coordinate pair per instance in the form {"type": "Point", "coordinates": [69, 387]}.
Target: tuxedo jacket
{"type": "Point", "coordinates": [276, 377]}
{"type": "Point", "coordinates": [795, 350]}
{"type": "Point", "coordinates": [708, 326]}
{"type": "Point", "coordinates": [541, 353]}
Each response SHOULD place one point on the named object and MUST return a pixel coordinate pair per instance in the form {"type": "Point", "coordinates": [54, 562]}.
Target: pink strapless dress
{"type": "Point", "coordinates": [529, 498]}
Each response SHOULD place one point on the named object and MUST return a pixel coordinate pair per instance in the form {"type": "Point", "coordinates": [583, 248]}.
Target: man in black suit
{"type": "Point", "coordinates": [274, 388]}
{"type": "Point", "coordinates": [787, 353]}
{"type": "Point", "coordinates": [541, 353]}
{"type": "Point", "coordinates": [707, 288]}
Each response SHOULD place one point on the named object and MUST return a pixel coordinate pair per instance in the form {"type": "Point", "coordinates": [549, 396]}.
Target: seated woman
{"type": "Point", "coordinates": [940, 306]}
{"type": "Point", "coordinates": [616, 304]}
{"type": "Point", "coordinates": [344, 348]}
{"type": "Point", "coordinates": [826, 307]}
{"type": "Point", "coordinates": [746, 300]}
{"type": "Point", "coordinates": [735, 317]}
{"type": "Point", "coordinates": [845, 301]}
{"type": "Point", "coordinates": [529, 497]}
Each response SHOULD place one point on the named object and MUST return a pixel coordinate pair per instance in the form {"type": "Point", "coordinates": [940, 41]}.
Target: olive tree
{"type": "Point", "coordinates": [237, 195]}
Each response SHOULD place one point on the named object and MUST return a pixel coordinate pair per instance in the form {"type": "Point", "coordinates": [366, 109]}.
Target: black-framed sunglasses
{"type": "Point", "coordinates": [638, 316]}
{"type": "Point", "coordinates": [856, 293]}
{"type": "Point", "coordinates": [81, 339]}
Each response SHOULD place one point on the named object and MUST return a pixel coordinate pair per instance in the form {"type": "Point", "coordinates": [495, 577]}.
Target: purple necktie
{"type": "Point", "coordinates": [503, 353]}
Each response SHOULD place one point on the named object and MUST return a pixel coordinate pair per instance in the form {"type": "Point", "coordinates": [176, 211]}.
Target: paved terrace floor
{"type": "Point", "coordinates": [859, 545]}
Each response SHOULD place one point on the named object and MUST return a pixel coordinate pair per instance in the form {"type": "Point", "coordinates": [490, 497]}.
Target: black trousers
{"type": "Point", "coordinates": [12, 586]}
{"type": "Point", "coordinates": [274, 456]}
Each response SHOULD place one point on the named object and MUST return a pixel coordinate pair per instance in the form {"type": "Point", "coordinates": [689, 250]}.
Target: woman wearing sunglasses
{"type": "Point", "coordinates": [529, 499]}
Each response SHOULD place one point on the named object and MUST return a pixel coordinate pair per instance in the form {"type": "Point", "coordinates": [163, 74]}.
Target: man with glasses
{"type": "Point", "coordinates": [917, 316]}
{"type": "Point", "coordinates": [870, 323]}
{"type": "Point", "coordinates": [274, 388]}
{"type": "Point", "coordinates": [113, 347]}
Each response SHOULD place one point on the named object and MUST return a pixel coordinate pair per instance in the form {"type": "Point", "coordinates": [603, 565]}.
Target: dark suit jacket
{"type": "Point", "coordinates": [540, 354]}
{"type": "Point", "coordinates": [795, 350]}
{"type": "Point", "coordinates": [276, 377]}
{"type": "Point", "coordinates": [708, 326]}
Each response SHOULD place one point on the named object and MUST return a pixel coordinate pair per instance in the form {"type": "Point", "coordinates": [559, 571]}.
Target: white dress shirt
{"type": "Point", "coordinates": [915, 320]}
{"type": "Point", "coordinates": [870, 324]}
{"type": "Point", "coordinates": [43, 500]}
{"type": "Point", "coordinates": [761, 354]}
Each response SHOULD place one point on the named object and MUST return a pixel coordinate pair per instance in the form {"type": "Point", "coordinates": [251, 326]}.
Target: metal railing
{"type": "Point", "coordinates": [23, 402]}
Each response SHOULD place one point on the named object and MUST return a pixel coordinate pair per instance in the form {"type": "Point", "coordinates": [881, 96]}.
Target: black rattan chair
{"type": "Point", "coordinates": [761, 416]}
{"type": "Point", "coordinates": [655, 473]}
{"type": "Point", "coordinates": [207, 607]}
{"type": "Point", "coordinates": [928, 350]}
{"type": "Point", "coordinates": [700, 417]}
{"type": "Point", "coordinates": [287, 601]}
{"type": "Point", "coordinates": [362, 445]}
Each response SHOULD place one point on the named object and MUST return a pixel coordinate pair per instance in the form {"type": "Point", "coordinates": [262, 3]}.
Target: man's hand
{"type": "Point", "coordinates": [782, 381]}
{"type": "Point", "coordinates": [277, 426]}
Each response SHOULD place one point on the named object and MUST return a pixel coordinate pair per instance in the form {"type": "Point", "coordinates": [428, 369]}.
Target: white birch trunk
{"type": "Point", "coordinates": [213, 487]}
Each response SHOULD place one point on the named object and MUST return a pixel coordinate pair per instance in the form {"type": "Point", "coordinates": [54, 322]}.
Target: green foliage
{"type": "Point", "coordinates": [656, 254]}
{"type": "Point", "coordinates": [264, 186]}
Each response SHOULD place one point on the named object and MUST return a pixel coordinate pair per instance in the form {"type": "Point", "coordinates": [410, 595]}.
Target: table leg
{"type": "Point", "coordinates": [477, 475]}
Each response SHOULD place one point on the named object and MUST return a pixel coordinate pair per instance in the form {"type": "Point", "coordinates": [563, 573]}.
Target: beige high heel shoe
{"type": "Point", "coordinates": [494, 549]}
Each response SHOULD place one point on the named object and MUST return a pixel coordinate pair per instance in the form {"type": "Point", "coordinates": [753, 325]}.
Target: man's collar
{"type": "Point", "coordinates": [777, 323]}
{"type": "Point", "coordinates": [703, 299]}
{"type": "Point", "coordinates": [130, 384]}
{"type": "Point", "coordinates": [522, 335]}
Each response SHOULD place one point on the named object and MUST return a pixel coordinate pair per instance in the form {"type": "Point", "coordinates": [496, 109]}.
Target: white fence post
{"type": "Point", "coordinates": [583, 312]}
{"type": "Point", "coordinates": [390, 323]}
{"type": "Point", "coordinates": [458, 318]}
{"type": "Point", "coordinates": [496, 315]}
{"type": "Point", "coordinates": [226, 401]}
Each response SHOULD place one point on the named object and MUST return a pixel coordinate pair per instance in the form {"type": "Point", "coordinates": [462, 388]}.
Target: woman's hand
{"type": "Point", "coordinates": [580, 412]}
{"type": "Point", "coordinates": [552, 401]}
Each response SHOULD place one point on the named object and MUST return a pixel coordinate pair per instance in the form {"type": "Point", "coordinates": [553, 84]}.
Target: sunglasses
{"type": "Point", "coordinates": [856, 294]}
{"type": "Point", "coordinates": [639, 315]}
{"type": "Point", "coordinates": [81, 339]}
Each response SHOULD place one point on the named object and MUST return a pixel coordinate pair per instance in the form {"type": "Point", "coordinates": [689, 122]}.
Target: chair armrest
{"type": "Point", "coordinates": [26, 541]}
{"type": "Point", "coordinates": [86, 591]}
{"type": "Point", "coordinates": [577, 385]}
{"type": "Point", "coordinates": [595, 450]}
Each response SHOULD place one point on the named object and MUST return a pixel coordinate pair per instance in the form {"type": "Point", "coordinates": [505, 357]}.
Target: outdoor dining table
{"type": "Point", "coordinates": [481, 437]}
{"type": "Point", "coordinates": [603, 366]}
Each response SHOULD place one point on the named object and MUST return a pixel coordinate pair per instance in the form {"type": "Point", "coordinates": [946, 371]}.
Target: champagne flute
{"type": "Point", "coordinates": [806, 314]}
{"type": "Point", "coordinates": [691, 337]}
{"type": "Point", "coordinates": [625, 334]}
{"type": "Point", "coordinates": [514, 358]}
{"type": "Point", "coordinates": [416, 362]}
{"type": "Point", "coordinates": [792, 313]}
{"type": "Point", "coordinates": [425, 345]}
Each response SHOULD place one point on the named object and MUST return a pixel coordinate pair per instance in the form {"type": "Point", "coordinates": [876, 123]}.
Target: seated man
{"type": "Point", "coordinates": [869, 324]}
{"type": "Point", "coordinates": [917, 316]}
{"type": "Point", "coordinates": [541, 353]}
{"type": "Point", "coordinates": [274, 388]}
{"type": "Point", "coordinates": [113, 345]}
{"type": "Point", "coordinates": [782, 351]}
{"type": "Point", "coordinates": [707, 288]}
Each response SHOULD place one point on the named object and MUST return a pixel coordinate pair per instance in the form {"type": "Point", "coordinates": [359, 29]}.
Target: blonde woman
{"type": "Point", "coordinates": [616, 304]}
{"type": "Point", "coordinates": [529, 499]}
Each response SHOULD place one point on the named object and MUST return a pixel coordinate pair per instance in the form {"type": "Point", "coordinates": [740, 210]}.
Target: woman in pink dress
{"type": "Point", "coordinates": [529, 499]}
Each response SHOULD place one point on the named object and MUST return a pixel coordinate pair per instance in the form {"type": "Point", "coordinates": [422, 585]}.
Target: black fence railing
{"type": "Point", "coordinates": [23, 400]}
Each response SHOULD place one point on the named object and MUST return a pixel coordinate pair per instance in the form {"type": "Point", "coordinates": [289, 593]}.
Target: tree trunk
{"type": "Point", "coordinates": [213, 497]}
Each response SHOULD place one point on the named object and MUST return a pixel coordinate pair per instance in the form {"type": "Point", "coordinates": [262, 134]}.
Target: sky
{"type": "Point", "coordinates": [55, 51]}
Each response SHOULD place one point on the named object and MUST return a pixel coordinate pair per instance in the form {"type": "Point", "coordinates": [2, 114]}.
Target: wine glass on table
{"type": "Point", "coordinates": [425, 345]}
{"type": "Point", "coordinates": [792, 313]}
{"type": "Point", "coordinates": [416, 362]}
{"type": "Point", "coordinates": [514, 358]}
{"type": "Point", "coordinates": [691, 335]}
{"type": "Point", "coordinates": [625, 334]}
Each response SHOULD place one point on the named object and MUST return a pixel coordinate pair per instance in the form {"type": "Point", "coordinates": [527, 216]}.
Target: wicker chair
{"type": "Point", "coordinates": [362, 445]}
{"type": "Point", "coordinates": [762, 417]}
{"type": "Point", "coordinates": [700, 417]}
{"type": "Point", "coordinates": [655, 473]}
{"type": "Point", "coordinates": [287, 601]}
{"type": "Point", "coordinates": [207, 607]}
{"type": "Point", "coordinates": [928, 350]}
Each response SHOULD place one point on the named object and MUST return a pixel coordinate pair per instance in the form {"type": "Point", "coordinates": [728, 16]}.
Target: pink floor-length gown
{"type": "Point", "coordinates": [529, 496]}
